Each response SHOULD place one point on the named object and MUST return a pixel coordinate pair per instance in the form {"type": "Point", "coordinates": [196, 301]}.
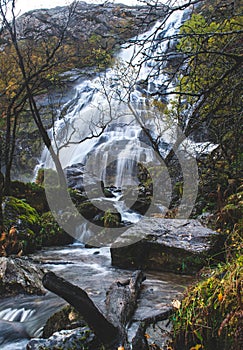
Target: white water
{"type": "Point", "coordinates": [115, 98]}
{"type": "Point", "coordinates": [16, 315]}
{"type": "Point", "coordinates": [102, 99]}
{"type": "Point", "coordinates": [119, 99]}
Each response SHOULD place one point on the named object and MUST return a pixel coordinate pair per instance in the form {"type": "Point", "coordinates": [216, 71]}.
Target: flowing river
{"type": "Point", "coordinates": [22, 317]}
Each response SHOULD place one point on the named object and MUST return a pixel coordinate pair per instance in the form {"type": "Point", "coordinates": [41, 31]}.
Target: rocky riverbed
{"type": "Point", "coordinates": [90, 269]}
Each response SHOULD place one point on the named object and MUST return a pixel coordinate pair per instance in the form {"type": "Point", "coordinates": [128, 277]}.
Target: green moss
{"type": "Point", "coordinates": [32, 193]}
{"type": "Point", "coordinates": [51, 233]}
{"type": "Point", "coordinates": [111, 219]}
{"type": "Point", "coordinates": [19, 213]}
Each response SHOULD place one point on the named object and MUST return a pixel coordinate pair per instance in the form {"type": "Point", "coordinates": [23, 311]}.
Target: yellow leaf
{"type": "Point", "coordinates": [220, 297]}
{"type": "Point", "coordinates": [197, 347]}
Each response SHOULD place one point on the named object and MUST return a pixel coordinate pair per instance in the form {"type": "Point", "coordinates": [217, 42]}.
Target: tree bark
{"type": "Point", "coordinates": [121, 298]}
{"type": "Point", "coordinates": [1, 200]}
{"type": "Point", "coordinates": [139, 342]}
{"type": "Point", "coordinates": [121, 302]}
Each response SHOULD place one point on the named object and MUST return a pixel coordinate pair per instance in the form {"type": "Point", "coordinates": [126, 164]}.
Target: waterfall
{"type": "Point", "coordinates": [104, 100]}
{"type": "Point", "coordinates": [105, 139]}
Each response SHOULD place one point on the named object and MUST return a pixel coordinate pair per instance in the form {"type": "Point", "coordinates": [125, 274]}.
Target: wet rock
{"type": "Point", "coordinates": [67, 318]}
{"type": "Point", "coordinates": [20, 275]}
{"type": "Point", "coordinates": [51, 233]}
{"type": "Point", "coordinates": [90, 212]}
{"type": "Point", "coordinates": [78, 178]}
{"type": "Point", "coordinates": [108, 192]}
{"type": "Point", "coordinates": [141, 205]}
{"type": "Point", "coordinates": [79, 338]}
{"type": "Point", "coordinates": [32, 193]}
{"type": "Point", "coordinates": [74, 174]}
{"type": "Point", "coordinates": [175, 245]}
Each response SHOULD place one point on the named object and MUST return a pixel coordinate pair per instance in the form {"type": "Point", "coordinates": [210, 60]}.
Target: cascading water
{"type": "Point", "coordinates": [116, 99]}
{"type": "Point", "coordinates": [106, 100]}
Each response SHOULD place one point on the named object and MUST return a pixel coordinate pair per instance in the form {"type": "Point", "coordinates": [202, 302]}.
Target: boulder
{"type": "Point", "coordinates": [17, 212]}
{"type": "Point", "coordinates": [174, 245]}
{"type": "Point", "coordinates": [20, 275]}
{"type": "Point", "coordinates": [79, 338]}
{"type": "Point", "coordinates": [51, 234]}
{"type": "Point", "coordinates": [32, 193]}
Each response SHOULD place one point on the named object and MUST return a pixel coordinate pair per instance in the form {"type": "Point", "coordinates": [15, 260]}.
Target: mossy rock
{"type": "Point", "coordinates": [77, 196]}
{"type": "Point", "coordinates": [32, 193]}
{"type": "Point", "coordinates": [19, 213]}
{"type": "Point", "coordinates": [51, 233]}
{"type": "Point", "coordinates": [89, 211]}
{"type": "Point", "coordinates": [66, 318]}
{"type": "Point", "coordinates": [111, 219]}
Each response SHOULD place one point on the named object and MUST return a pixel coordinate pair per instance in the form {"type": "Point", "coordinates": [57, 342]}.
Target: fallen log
{"type": "Point", "coordinates": [106, 332]}
{"type": "Point", "coordinates": [121, 302]}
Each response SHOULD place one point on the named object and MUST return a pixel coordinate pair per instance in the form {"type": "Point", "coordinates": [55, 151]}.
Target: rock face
{"type": "Point", "coordinates": [19, 275]}
{"type": "Point", "coordinates": [175, 245]}
{"type": "Point", "coordinates": [119, 21]}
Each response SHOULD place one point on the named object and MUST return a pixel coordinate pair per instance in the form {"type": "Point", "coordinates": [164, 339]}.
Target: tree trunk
{"type": "Point", "coordinates": [1, 200]}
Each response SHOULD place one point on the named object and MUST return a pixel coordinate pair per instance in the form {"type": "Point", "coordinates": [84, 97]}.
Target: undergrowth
{"type": "Point", "coordinates": [211, 313]}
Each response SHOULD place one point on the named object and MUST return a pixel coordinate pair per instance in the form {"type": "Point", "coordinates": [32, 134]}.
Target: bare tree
{"type": "Point", "coordinates": [29, 71]}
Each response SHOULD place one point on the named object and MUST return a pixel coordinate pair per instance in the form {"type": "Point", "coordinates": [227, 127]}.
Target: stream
{"type": "Point", "coordinates": [22, 317]}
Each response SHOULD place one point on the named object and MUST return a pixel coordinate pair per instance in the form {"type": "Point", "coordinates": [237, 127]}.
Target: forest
{"type": "Point", "coordinates": [198, 103]}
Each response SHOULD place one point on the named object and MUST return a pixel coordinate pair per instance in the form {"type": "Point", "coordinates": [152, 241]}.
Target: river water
{"type": "Point", "coordinates": [22, 317]}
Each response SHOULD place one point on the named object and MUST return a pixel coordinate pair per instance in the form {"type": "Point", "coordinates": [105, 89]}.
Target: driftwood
{"type": "Point", "coordinates": [121, 302]}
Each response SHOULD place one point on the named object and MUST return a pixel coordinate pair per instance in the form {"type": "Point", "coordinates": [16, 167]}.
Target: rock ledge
{"type": "Point", "coordinates": [175, 245]}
